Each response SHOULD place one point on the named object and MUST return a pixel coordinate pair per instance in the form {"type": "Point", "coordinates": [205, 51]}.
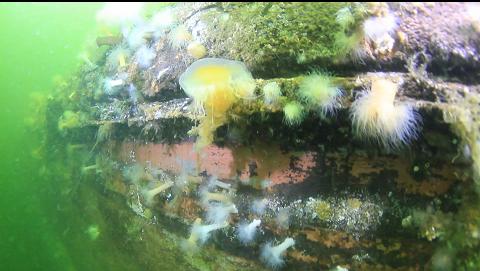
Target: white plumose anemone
{"type": "Point", "coordinates": [115, 13]}
{"type": "Point", "coordinates": [375, 28]}
{"type": "Point", "coordinates": [179, 37]}
{"type": "Point", "coordinates": [200, 233]}
{"type": "Point", "coordinates": [376, 115]}
{"type": "Point", "coordinates": [117, 58]}
{"type": "Point", "coordinates": [273, 255]}
{"type": "Point", "coordinates": [246, 231]}
{"type": "Point", "coordinates": [136, 36]}
{"type": "Point", "coordinates": [219, 213]}
{"type": "Point", "coordinates": [150, 194]}
{"type": "Point", "coordinates": [163, 19]}
{"type": "Point", "coordinates": [144, 56]}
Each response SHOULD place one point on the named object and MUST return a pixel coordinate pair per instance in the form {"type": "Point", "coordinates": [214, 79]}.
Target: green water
{"type": "Point", "coordinates": [55, 217]}
{"type": "Point", "coordinates": [37, 43]}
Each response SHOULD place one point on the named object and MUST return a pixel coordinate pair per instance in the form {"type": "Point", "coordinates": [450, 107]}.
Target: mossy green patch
{"type": "Point", "coordinates": [280, 33]}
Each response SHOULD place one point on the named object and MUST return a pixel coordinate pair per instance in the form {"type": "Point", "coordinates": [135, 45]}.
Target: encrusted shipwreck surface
{"type": "Point", "coordinates": [347, 202]}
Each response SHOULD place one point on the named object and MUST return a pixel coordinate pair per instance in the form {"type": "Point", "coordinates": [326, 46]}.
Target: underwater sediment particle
{"type": "Point", "coordinates": [93, 232]}
{"type": "Point", "coordinates": [376, 115]}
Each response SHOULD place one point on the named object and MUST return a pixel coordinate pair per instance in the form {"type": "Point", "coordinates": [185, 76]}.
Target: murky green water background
{"type": "Point", "coordinates": [37, 43]}
{"type": "Point", "coordinates": [45, 225]}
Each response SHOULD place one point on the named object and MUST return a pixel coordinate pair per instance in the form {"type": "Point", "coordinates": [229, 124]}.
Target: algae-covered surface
{"type": "Point", "coordinates": [240, 136]}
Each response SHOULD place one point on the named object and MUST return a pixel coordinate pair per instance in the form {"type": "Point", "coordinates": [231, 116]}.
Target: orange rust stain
{"type": "Point", "coordinates": [116, 184]}
{"type": "Point", "coordinates": [271, 163]}
{"type": "Point", "coordinates": [333, 238]}
{"type": "Point", "coordinates": [301, 256]}
{"type": "Point", "coordinates": [302, 166]}
{"type": "Point", "coordinates": [185, 207]}
{"type": "Point", "coordinates": [216, 161]}
{"type": "Point", "coordinates": [430, 186]}
{"type": "Point", "coordinates": [363, 166]}
{"type": "Point", "coordinates": [403, 249]}
{"type": "Point", "coordinates": [388, 248]}
{"type": "Point", "coordinates": [363, 266]}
